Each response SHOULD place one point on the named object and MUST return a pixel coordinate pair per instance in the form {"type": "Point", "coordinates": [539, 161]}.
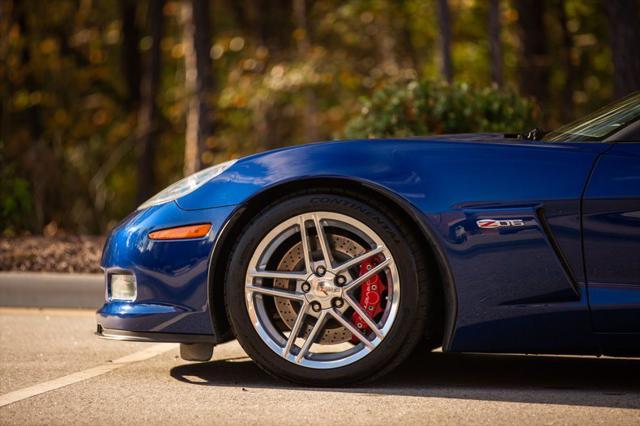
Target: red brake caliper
{"type": "Point", "coordinates": [370, 297]}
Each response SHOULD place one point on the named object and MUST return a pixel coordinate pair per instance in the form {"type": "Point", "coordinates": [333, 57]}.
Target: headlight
{"type": "Point", "coordinates": [186, 185]}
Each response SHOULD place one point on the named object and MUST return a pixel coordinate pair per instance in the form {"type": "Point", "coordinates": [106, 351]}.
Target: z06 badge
{"type": "Point", "coordinates": [502, 223]}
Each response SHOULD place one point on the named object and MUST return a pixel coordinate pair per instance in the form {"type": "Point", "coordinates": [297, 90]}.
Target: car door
{"type": "Point", "coordinates": [611, 236]}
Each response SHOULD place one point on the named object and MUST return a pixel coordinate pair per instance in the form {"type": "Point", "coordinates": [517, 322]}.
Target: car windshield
{"type": "Point", "coordinates": [600, 124]}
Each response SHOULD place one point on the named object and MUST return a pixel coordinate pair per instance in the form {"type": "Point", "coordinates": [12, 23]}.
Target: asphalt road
{"type": "Point", "coordinates": [53, 370]}
{"type": "Point", "coordinates": [26, 289]}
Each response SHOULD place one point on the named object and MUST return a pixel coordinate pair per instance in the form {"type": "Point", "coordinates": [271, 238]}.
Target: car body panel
{"type": "Point", "coordinates": [516, 289]}
{"type": "Point", "coordinates": [171, 275]}
{"type": "Point", "coordinates": [612, 240]}
{"type": "Point", "coordinates": [497, 275]}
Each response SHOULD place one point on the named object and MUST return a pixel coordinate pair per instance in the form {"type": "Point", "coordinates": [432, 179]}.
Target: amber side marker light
{"type": "Point", "coordinates": [181, 232]}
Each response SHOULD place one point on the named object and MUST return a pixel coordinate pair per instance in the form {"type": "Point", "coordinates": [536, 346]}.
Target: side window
{"type": "Point", "coordinates": [630, 134]}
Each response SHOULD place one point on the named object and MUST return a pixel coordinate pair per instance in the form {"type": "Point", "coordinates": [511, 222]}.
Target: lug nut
{"type": "Point", "coordinates": [306, 287]}
{"type": "Point", "coordinates": [321, 270]}
{"type": "Point", "coordinates": [341, 280]}
{"type": "Point", "coordinates": [338, 303]}
{"type": "Point", "coordinates": [370, 307]}
{"type": "Point", "coordinates": [316, 307]}
{"type": "Point", "coordinates": [374, 287]}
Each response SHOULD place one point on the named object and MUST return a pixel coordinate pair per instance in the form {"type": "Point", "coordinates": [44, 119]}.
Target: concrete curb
{"type": "Point", "coordinates": [51, 290]}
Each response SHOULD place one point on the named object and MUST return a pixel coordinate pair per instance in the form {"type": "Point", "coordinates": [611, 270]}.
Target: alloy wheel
{"type": "Point", "coordinates": [322, 290]}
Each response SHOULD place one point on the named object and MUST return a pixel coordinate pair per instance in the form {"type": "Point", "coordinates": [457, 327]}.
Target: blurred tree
{"type": "Point", "coordinates": [301, 35]}
{"type": "Point", "coordinates": [444, 38]}
{"type": "Point", "coordinates": [495, 45]}
{"type": "Point", "coordinates": [624, 35]}
{"type": "Point", "coordinates": [36, 147]}
{"type": "Point", "coordinates": [566, 108]}
{"type": "Point", "coordinates": [148, 121]}
{"type": "Point", "coordinates": [270, 26]}
{"type": "Point", "coordinates": [407, 34]}
{"type": "Point", "coordinates": [534, 62]}
{"type": "Point", "coordinates": [268, 22]}
{"type": "Point", "coordinates": [130, 56]}
{"type": "Point", "coordinates": [198, 82]}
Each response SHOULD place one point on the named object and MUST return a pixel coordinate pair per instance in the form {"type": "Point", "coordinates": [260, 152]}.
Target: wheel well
{"type": "Point", "coordinates": [360, 190]}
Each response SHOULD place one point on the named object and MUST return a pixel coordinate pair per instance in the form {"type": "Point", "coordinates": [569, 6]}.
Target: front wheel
{"type": "Point", "coordinates": [324, 289]}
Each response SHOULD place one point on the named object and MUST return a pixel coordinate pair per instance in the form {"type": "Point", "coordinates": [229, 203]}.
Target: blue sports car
{"type": "Point", "coordinates": [331, 262]}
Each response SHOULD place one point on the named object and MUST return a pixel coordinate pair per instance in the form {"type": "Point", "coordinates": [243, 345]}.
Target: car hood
{"type": "Point", "coordinates": [507, 138]}
{"type": "Point", "coordinates": [378, 161]}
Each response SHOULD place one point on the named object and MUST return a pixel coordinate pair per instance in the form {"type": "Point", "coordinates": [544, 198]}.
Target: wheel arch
{"type": "Point", "coordinates": [364, 190]}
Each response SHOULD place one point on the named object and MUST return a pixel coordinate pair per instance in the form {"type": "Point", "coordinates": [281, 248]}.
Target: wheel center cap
{"type": "Point", "coordinates": [323, 289]}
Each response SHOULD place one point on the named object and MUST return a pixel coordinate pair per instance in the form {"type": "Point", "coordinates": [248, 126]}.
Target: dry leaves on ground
{"type": "Point", "coordinates": [51, 254]}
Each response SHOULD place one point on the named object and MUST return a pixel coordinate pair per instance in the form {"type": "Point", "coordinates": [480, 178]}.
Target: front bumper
{"type": "Point", "coordinates": [171, 275]}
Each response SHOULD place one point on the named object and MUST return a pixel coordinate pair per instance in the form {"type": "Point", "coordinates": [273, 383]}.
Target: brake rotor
{"type": "Point", "coordinates": [293, 260]}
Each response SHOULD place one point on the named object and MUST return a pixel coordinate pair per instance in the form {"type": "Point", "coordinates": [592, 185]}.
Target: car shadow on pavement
{"type": "Point", "coordinates": [605, 382]}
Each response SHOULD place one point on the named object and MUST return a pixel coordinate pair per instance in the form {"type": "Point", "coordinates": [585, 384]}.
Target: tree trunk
{"type": "Point", "coordinates": [624, 36]}
{"type": "Point", "coordinates": [147, 130]}
{"type": "Point", "coordinates": [495, 46]}
{"type": "Point", "coordinates": [566, 109]}
{"type": "Point", "coordinates": [300, 21]}
{"type": "Point", "coordinates": [304, 46]}
{"type": "Point", "coordinates": [534, 63]}
{"type": "Point", "coordinates": [5, 26]}
{"type": "Point", "coordinates": [274, 24]}
{"type": "Point", "coordinates": [269, 22]}
{"type": "Point", "coordinates": [198, 82]}
{"type": "Point", "coordinates": [406, 37]}
{"type": "Point", "coordinates": [239, 11]}
{"type": "Point", "coordinates": [130, 57]}
{"type": "Point", "coordinates": [444, 20]}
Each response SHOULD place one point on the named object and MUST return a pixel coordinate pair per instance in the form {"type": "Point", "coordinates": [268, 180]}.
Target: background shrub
{"type": "Point", "coordinates": [426, 107]}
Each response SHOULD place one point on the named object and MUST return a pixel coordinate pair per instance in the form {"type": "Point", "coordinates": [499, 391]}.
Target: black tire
{"type": "Point", "coordinates": [408, 328]}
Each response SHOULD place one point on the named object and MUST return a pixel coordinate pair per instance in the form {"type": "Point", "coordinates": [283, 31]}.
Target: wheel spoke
{"type": "Point", "coordinates": [275, 292]}
{"type": "Point", "coordinates": [362, 278]}
{"type": "Point", "coordinates": [295, 330]}
{"type": "Point", "coordinates": [365, 317]}
{"type": "Point", "coordinates": [312, 336]}
{"type": "Point", "coordinates": [352, 329]}
{"type": "Point", "coordinates": [324, 243]}
{"type": "Point", "coordinates": [359, 259]}
{"type": "Point", "coordinates": [306, 250]}
{"type": "Point", "coordinates": [284, 275]}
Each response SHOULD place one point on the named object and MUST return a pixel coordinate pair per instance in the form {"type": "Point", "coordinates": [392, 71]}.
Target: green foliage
{"type": "Point", "coordinates": [428, 107]}
{"type": "Point", "coordinates": [15, 203]}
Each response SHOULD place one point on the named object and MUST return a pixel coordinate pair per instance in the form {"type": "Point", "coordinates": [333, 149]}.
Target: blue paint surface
{"type": "Point", "coordinates": [171, 275]}
{"type": "Point", "coordinates": [612, 240]}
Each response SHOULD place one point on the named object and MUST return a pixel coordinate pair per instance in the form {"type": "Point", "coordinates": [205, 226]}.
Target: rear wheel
{"type": "Point", "coordinates": [324, 289]}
